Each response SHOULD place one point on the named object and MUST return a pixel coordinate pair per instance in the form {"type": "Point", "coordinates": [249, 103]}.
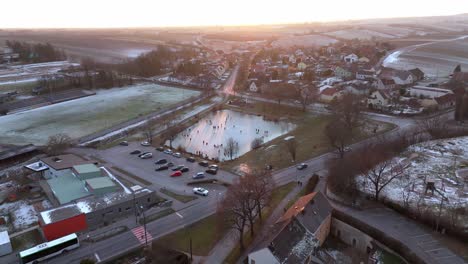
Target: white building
{"type": "Point", "coordinates": [428, 92]}
{"type": "Point", "coordinates": [351, 58]}
{"type": "Point", "coordinates": [253, 87]}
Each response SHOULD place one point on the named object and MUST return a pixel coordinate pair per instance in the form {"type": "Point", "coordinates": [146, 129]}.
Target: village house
{"type": "Point", "coordinates": [379, 99]}
{"type": "Point", "coordinates": [384, 84]}
{"type": "Point", "coordinates": [357, 89]}
{"type": "Point", "coordinates": [330, 94]}
{"type": "Point", "coordinates": [253, 87]}
{"type": "Point", "coordinates": [417, 74]}
{"type": "Point", "coordinates": [301, 66]}
{"type": "Point", "coordinates": [365, 74]}
{"type": "Point", "coordinates": [299, 233]}
{"type": "Point", "coordinates": [364, 60]}
{"type": "Point", "coordinates": [343, 73]}
{"type": "Point", "coordinates": [403, 78]}
{"type": "Point", "coordinates": [351, 58]}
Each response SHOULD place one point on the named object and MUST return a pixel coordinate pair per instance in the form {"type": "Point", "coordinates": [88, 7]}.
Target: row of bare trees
{"type": "Point", "coordinates": [244, 202]}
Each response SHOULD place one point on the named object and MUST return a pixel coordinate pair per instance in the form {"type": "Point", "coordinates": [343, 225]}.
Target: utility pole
{"type": "Point", "coordinates": [144, 226]}
{"type": "Point", "coordinates": [135, 209]}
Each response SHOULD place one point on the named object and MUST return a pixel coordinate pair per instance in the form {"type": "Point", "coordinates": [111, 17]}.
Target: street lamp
{"type": "Point", "coordinates": [144, 225]}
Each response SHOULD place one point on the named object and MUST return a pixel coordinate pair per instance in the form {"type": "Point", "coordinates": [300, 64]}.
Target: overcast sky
{"type": "Point", "coordinates": [145, 13]}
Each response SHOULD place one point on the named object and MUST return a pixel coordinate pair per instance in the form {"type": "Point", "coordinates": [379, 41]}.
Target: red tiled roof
{"type": "Point", "coordinates": [297, 207]}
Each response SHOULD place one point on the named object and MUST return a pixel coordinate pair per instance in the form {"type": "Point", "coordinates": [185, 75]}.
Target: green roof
{"type": "Point", "coordinates": [67, 187]}
{"type": "Point", "coordinates": [86, 168]}
{"type": "Point", "coordinates": [100, 182]}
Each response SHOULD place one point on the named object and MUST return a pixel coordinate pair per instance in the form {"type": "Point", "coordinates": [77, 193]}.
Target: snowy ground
{"type": "Point", "coordinates": [435, 161]}
{"type": "Point", "coordinates": [210, 135]}
{"type": "Point", "coordinates": [23, 214]}
{"type": "Point", "coordinates": [90, 114]}
{"type": "Point", "coordinates": [307, 40]}
{"type": "Point", "coordinates": [31, 72]}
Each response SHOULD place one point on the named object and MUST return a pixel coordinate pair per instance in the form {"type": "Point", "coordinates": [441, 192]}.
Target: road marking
{"type": "Point", "coordinates": [179, 215]}
{"type": "Point", "coordinates": [139, 233]}
{"type": "Point", "coordinates": [97, 257]}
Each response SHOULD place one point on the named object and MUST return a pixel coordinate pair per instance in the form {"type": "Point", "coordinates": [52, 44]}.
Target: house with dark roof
{"type": "Point", "coordinates": [379, 99]}
{"type": "Point", "coordinates": [298, 233]}
{"type": "Point", "coordinates": [329, 94]}
{"type": "Point", "coordinates": [417, 73]}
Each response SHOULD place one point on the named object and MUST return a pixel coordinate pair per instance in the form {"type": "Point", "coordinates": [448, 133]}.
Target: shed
{"type": "Point", "coordinates": [87, 171]}
{"type": "Point", "coordinates": [101, 185]}
{"type": "Point", "coordinates": [5, 244]}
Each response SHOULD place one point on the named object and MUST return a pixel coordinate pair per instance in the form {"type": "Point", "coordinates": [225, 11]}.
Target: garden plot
{"type": "Point", "coordinates": [90, 114]}
{"type": "Point", "coordinates": [443, 162]}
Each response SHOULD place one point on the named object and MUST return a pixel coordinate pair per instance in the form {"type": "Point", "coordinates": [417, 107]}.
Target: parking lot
{"type": "Point", "coordinates": [119, 156]}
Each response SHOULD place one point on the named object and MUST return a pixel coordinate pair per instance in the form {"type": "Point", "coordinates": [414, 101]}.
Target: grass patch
{"type": "Point", "coordinates": [278, 195]}
{"type": "Point", "coordinates": [179, 197]}
{"type": "Point", "coordinates": [156, 216]}
{"type": "Point", "coordinates": [204, 236]}
{"type": "Point", "coordinates": [26, 240]}
{"type": "Point", "coordinates": [126, 173]}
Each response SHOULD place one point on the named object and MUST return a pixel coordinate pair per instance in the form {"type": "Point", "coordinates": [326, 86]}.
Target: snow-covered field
{"type": "Point", "coordinates": [209, 136]}
{"type": "Point", "coordinates": [23, 214]}
{"type": "Point", "coordinates": [307, 40]}
{"type": "Point", "coordinates": [31, 72]}
{"type": "Point", "coordinates": [90, 114]}
{"type": "Point", "coordinates": [436, 161]}
{"type": "Point", "coordinates": [359, 34]}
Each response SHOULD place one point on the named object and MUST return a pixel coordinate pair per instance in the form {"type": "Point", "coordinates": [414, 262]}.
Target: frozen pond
{"type": "Point", "coordinates": [210, 135]}
{"type": "Point", "coordinates": [88, 115]}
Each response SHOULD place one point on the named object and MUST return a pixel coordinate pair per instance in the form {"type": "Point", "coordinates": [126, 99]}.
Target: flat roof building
{"type": "Point", "coordinates": [101, 185]}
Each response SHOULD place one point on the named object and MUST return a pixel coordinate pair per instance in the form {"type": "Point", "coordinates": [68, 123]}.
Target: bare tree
{"type": "Point", "coordinates": [338, 135]}
{"type": "Point", "coordinates": [379, 169]}
{"type": "Point", "coordinates": [58, 143]}
{"type": "Point", "coordinates": [291, 144]}
{"type": "Point", "coordinates": [232, 148]}
{"type": "Point", "coordinates": [256, 143]}
{"type": "Point", "coordinates": [148, 131]}
{"type": "Point", "coordinates": [348, 110]}
{"type": "Point", "coordinates": [261, 185]}
{"type": "Point", "coordinates": [233, 211]}
{"type": "Point", "coordinates": [307, 95]}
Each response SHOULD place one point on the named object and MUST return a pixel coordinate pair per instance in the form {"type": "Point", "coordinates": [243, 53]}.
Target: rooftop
{"type": "Point", "coordinates": [100, 182]}
{"type": "Point", "coordinates": [4, 238]}
{"type": "Point", "coordinates": [86, 168]}
{"type": "Point", "coordinates": [66, 161]}
{"type": "Point", "coordinates": [67, 187]}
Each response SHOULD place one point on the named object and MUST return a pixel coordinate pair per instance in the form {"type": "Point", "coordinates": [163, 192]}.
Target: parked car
{"type": "Point", "coordinates": [123, 143]}
{"type": "Point", "coordinates": [199, 175]}
{"type": "Point", "coordinates": [184, 169]}
{"type": "Point", "coordinates": [203, 163]}
{"type": "Point", "coordinates": [200, 191]}
{"type": "Point", "coordinates": [214, 167]}
{"type": "Point", "coordinates": [177, 155]}
{"type": "Point", "coordinates": [302, 166]}
{"type": "Point", "coordinates": [161, 168]}
{"type": "Point", "coordinates": [160, 149]}
{"type": "Point", "coordinates": [211, 171]}
{"type": "Point", "coordinates": [135, 152]}
{"type": "Point", "coordinates": [145, 144]}
{"type": "Point", "coordinates": [176, 174]}
{"type": "Point", "coordinates": [178, 168]}
{"type": "Point", "coordinates": [146, 155]}
{"type": "Point", "coordinates": [161, 161]}
{"type": "Point", "coordinates": [170, 164]}
{"type": "Point", "coordinates": [191, 159]}
{"type": "Point", "coordinates": [168, 151]}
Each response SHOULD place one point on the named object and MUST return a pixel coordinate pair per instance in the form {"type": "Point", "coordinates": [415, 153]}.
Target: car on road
{"type": "Point", "coordinates": [135, 152]}
{"type": "Point", "coordinates": [161, 168]}
{"type": "Point", "coordinates": [160, 149]}
{"type": "Point", "coordinates": [145, 144]}
{"type": "Point", "coordinates": [161, 161]}
{"type": "Point", "coordinates": [177, 155]}
{"type": "Point", "coordinates": [176, 174]}
{"type": "Point", "coordinates": [191, 159]}
{"type": "Point", "coordinates": [178, 168]}
{"type": "Point", "coordinates": [146, 155]}
{"type": "Point", "coordinates": [203, 163]}
{"type": "Point", "coordinates": [170, 164]}
{"type": "Point", "coordinates": [199, 175]}
{"type": "Point", "coordinates": [211, 171]}
{"type": "Point", "coordinates": [302, 166]}
{"type": "Point", "coordinates": [200, 191]}
{"type": "Point", "coordinates": [123, 143]}
{"type": "Point", "coordinates": [214, 167]}
{"type": "Point", "coordinates": [184, 169]}
{"type": "Point", "coordinates": [168, 151]}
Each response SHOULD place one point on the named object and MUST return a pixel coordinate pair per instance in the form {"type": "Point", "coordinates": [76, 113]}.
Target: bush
{"type": "Point", "coordinates": [256, 143]}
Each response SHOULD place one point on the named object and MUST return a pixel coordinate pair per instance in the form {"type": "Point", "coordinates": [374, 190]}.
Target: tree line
{"type": "Point", "coordinates": [36, 52]}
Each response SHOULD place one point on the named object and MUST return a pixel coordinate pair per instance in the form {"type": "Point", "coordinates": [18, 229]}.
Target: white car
{"type": "Point", "coordinates": [168, 151]}
{"type": "Point", "coordinates": [177, 155]}
{"type": "Point", "coordinates": [214, 167]}
{"type": "Point", "coordinates": [147, 155]}
{"type": "Point", "coordinates": [145, 144]}
{"type": "Point", "coordinates": [200, 191]}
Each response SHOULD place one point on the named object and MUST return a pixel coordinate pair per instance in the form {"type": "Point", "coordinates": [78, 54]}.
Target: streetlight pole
{"type": "Point", "coordinates": [144, 226]}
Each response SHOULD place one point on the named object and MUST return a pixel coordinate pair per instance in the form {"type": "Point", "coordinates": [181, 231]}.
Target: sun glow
{"type": "Point", "coordinates": [147, 13]}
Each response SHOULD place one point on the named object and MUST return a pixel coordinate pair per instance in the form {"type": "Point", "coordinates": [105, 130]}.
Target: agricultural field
{"type": "Point", "coordinates": [90, 114]}
{"type": "Point", "coordinates": [306, 40]}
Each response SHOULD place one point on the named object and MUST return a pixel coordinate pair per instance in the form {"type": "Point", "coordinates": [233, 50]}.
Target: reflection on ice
{"type": "Point", "coordinates": [208, 137]}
